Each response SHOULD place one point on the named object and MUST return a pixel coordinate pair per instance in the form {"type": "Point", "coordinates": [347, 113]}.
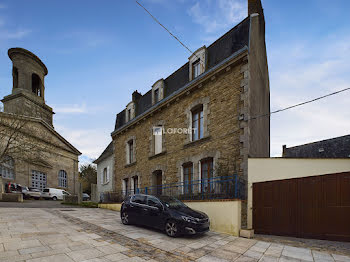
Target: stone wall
{"type": "Point", "coordinates": [49, 154]}
{"type": "Point", "coordinates": [222, 93]}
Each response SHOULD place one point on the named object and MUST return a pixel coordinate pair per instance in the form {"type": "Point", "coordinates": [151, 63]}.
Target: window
{"type": "Point", "coordinates": [135, 184]}
{"type": "Point", "coordinates": [125, 186]}
{"type": "Point", "coordinates": [139, 199]}
{"type": "Point", "coordinates": [158, 181]}
{"type": "Point", "coordinates": [197, 62]}
{"type": "Point", "coordinates": [105, 175]}
{"type": "Point", "coordinates": [15, 77]}
{"type": "Point", "coordinates": [153, 202]}
{"type": "Point", "coordinates": [196, 68]}
{"type": "Point", "coordinates": [38, 180]}
{"type": "Point", "coordinates": [129, 114]}
{"type": "Point", "coordinates": [187, 177]}
{"type": "Point", "coordinates": [130, 151]}
{"type": "Point", "coordinates": [7, 168]}
{"type": "Point", "coordinates": [207, 174]}
{"type": "Point", "coordinates": [36, 84]}
{"type": "Point", "coordinates": [62, 178]}
{"type": "Point", "coordinates": [197, 123]}
{"type": "Point", "coordinates": [158, 139]}
{"type": "Point", "coordinates": [156, 95]}
{"type": "Point", "coordinates": [157, 91]}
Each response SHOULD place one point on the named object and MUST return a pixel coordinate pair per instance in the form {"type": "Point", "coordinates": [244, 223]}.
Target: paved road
{"type": "Point", "coordinates": [97, 235]}
{"type": "Point", "coordinates": [34, 204]}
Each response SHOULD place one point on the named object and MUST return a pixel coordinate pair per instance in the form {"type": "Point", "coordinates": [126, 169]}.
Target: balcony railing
{"type": "Point", "coordinates": [223, 187]}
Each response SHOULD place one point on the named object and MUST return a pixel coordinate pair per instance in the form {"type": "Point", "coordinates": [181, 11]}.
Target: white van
{"type": "Point", "coordinates": [54, 193]}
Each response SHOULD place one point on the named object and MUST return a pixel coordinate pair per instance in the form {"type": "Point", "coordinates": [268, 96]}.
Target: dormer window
{"type": "Point", "coordinates": [196, 70]}
{"type": "Point", "coordinates": [156, 95]}
{"type": "Point", "coordinates": [130, 111]}
{"type": "Point", "coordinates": [197, 62]}
{"type": "Point", "coordinates": [158, 91]}
{"type": "Point", "coordinates": [129, 114]}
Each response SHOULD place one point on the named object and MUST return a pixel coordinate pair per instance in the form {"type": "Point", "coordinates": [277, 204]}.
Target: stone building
{"type": "Point", "coordinates": [37, 156]}
{"type": "Point", "coordinates": [105, 166]}
{"type": "Point", "coordinates": [217, 94]}
{"type": "Point", "coordinates": [337, 147]}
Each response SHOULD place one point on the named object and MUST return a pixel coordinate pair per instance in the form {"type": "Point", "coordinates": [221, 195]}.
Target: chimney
{"type": "Point", "coordinates": [136, 96]}
{"type": "Point", "coordinates": [255, 7]}
{"type": "Point", "coordinates": [284, 147]}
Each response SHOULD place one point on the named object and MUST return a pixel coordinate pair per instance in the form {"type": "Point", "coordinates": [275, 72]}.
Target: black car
{"type": "Point", "coordinates": [165, 213]}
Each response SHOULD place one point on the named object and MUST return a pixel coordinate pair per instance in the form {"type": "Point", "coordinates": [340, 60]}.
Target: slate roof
{"type": "Point", "coordinates": [106, 153]}
{"type": "Point", "coordinates": [338, 147]}
{"type": "Point", "coordinates": [222, 48]}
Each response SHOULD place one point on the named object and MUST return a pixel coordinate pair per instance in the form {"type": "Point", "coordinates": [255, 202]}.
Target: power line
{"type": "Point", "coordinates": [300, 104]}
{"type": "Point", "coordinates": [255, 117]}
{"type": "Point", "coordinates": [177, 39]}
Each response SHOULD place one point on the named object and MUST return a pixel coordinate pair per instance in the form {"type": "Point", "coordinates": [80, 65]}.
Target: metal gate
{"type": "Point", "coordinates": [309, 207]}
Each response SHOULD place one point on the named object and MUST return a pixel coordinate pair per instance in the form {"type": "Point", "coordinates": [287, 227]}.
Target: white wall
{"type": "Point", "coordinates": [109, 164]}
{"type": "Point", "coordinates": [269, 169]}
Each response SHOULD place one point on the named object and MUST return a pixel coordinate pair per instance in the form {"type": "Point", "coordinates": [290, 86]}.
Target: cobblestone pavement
{"type": "Point", "coordinates": [97, 235]}
{"type": "Point", "coordinates": [34, 204]}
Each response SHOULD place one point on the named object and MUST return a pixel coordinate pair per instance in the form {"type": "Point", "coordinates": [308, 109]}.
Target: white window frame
{"type": "Point", "coordinates": [158, 139]}
{"type": "Point", "coordinates": [130, 154]}
{"type": "Point", "coordinates": [62, 179]}
{"type": "Point", "coordinates": [38, 180]}
{"type": "Point", "coordinates": [200, 55]}
{"type": "Point", "coordinates": [196, 68]}
{"type": "Point", "coordinates": [159, 85]}
{"type": "Point", "coordinates": [7, 168]}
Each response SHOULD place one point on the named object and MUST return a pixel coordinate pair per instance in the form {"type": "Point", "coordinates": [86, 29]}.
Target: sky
{"type": "Point", "coordinates": [99, 52]}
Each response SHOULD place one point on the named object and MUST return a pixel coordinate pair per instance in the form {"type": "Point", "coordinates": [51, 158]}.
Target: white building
{"type": "Point", "coordinates": [105, 167]}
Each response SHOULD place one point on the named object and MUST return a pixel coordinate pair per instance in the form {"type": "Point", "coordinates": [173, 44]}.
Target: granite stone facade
{"type": "Point", "coordinates": [231, 90]}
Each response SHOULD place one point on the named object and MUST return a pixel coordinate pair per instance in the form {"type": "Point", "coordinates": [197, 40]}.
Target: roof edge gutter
{"type": "Point", "coordinates": [182, 89]}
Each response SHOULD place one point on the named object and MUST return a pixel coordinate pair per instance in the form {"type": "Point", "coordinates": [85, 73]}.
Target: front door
{"type": "Point", "coordinates": [158, 175]}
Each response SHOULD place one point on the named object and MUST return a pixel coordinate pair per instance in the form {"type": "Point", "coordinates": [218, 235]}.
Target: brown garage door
{"type": "Point", "coordinates": [310, 207]}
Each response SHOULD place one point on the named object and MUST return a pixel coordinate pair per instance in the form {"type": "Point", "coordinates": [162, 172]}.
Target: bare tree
{"type": "Point", "coordinates": [16, 139]}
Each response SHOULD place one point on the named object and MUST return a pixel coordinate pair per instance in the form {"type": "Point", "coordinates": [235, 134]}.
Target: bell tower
{"type": "Point", "coordinates": [28, 91]}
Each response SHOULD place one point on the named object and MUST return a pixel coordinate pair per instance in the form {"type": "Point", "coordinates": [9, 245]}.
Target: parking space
{"type": "Point", "coordinates": [71, 234]}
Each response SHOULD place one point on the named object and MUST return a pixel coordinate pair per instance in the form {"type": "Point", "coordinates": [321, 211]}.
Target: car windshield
{"type": "Point", "coordinates": [171, 202]}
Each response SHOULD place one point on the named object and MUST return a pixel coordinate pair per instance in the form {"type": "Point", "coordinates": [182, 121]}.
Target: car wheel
{"type": "Point", "coordinates": [125, 218]}
{"type": "Point", "coordinates": [171, 229]}
{"type": "Point", "coordinates": [54, 198]}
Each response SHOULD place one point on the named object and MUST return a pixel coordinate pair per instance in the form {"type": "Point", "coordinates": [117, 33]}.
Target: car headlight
{"type": "Point", "coordinates": [189, 219]}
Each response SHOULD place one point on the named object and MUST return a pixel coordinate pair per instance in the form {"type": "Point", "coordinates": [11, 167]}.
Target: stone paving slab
{"type": "Point", "coordinates": [97, 235]}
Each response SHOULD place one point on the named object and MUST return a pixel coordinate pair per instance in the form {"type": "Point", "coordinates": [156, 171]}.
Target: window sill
{"type": "Point", "coordinates": [197, 142]}
{"type": "Point", "coordinates": [159, 154]}
{"type": "Point", "coordinates": [131, 164]}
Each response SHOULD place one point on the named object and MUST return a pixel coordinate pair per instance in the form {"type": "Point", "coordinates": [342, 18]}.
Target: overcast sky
{"type": "Point", "coordinates": [99, 52]}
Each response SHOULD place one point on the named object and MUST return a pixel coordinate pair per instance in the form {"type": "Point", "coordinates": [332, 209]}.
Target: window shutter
{"type": "Point", "coordinates": [107, 174]}
{"type": "Point", "coordinates": [132, 184]}
{"type": "Point", "coordinates": [123, 187]}
{"type": "Point", "coordinates": [101, 176]}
